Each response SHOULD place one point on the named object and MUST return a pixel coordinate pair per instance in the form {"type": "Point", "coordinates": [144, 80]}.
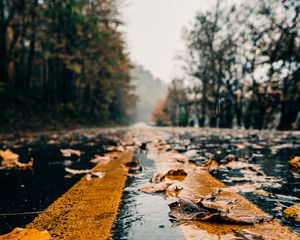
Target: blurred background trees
{"type": "Point", "coordinates": [67, 60]}
{"type": "Point", "coordinates": [63, 58]}
{"type": "Point", "coordinates": [242, 65]}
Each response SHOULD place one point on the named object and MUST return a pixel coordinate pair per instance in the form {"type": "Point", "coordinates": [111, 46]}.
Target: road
{"type": "Point", "coordinates": [249, 168]}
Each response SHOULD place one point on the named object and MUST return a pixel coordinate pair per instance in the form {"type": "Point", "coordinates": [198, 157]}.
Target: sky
{"type": "Point", "coordinates": [153, 31]}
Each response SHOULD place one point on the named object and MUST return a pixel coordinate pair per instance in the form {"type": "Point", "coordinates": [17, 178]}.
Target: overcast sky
{"type": "Point", "coordinates": [153, 31]}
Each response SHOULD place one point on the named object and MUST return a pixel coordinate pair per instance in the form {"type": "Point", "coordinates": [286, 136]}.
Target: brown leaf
{"type": "Point", "coordinates": [70, 152]}
{"type": "Point", "coordinates": [243, 188]}
{"type": "Point", "coordinates": [185, 209]}
{"type": "Point", "coordinates": [115, 149]}
{"type": "Point", "coordinates": [98, 159]}
{"type": "Point", "coordinates": [11, 160]}
{"type": "Point", "coordinates": [292, 212]}
{"type": "Point", "coordinates": [89, 176]}
{"type": "Point", "coordinates": [174, 190]}
{"type": "Point", "coordinates": [213, 207]}
{"type": "Point", "coordinates": [155, 188]}
{"type": "Point", "coordinates": [73, 171]}
{"type": "Point", "coordinates": [158, 177]}
{"type": "Point", "coordinates": [261, 192]}
{"type": "Point", "coordinates": [247, 235]}
{"type": "Point", "coordinates": [295, 162]}
{"type": "Point", "coordinates": [173, 173]}
{"type": "Point", "coordinates": [212, 166]}
{"type": "Point", "coordinates": [230, 158]}
{"type": "Point", "coordinates": [177, 172]}
{"type": "Point", "coordinates": [244, 218]}
{"type": "Point", "coordinates": [179, 157]}
{"type": "Point", "coordinates": [221, 205]}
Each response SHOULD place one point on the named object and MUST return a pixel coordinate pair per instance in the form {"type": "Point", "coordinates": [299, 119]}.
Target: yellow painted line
{"type": "Point", "coordinates": [200, 183]}
{"type": "Point", "coordinates": [87, 210]}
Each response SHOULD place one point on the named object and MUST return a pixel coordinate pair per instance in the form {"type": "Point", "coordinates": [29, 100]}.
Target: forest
{"type": "Point", "coordinates": [66, 63]}
{"type": "Point", "coordinates": [63, 62]}
{"type": "Point", "coordinates": [241, 69]}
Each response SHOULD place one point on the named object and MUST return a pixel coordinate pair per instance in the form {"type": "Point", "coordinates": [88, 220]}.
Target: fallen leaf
{"type": "Point", "coordinates": [276, 148]}
{"type": "Point", "coordinates": [26, 234]}
{"type": "Point", "coordinates": [11, 160]}
{"type": "Point", "coordinates": [277, 208]}
{"type": "Point", "coordinates": [212, 166]}
{"type": "Point", "coordinates": [199, 161]}
{"type": "Point", "coordinates": [237, 165]}
{"type": "Point", "coordinates": [173, 173]}
{"type": "Point", "coordinates": [28, 165]}
{"type": "Point", "coordinates": [243, 188]}
{"type": "Point", "coordinates": [179, 157]}
{"type": "Point", "coordinates": [8, 157]}
{"type": "Point", "coordinates": [223, 204]}
{"type": "Point", "coordinates": [98, 158]}
{"type": "Point", "coordinates": [295, 162]}
{"type": "Point", "coordinates": [261, 192]}
{"type": "Point", "coordinates": [158, 177]}
{"type": "Point", "coordinates": [213, 207]}
{"type": "Point", "coordinates": [176, 172]}
{"type": "Point", "coordinates": [73, 171]}
{"type": "Point", "coordinates": [115, 148]}
{"type": "Point", "coordinates": [192, 153]}
{"type": "Point", "coordinates": [70, 152]}
{"type": "Point", "coordinates": [292, 212]}
{"type": "Point", "coordinates": [174, 190]}
{"type": "Point", "coordinates": [247, 235]}
{"type": "Point", "coordinates": [230, 158]}
{"type": "Point", "coordinates": [185, 209]}
{"type": "Point", "coordinates": [244, 218]}
{"type": "Point", "coordinates": [155, 188]}
{"type": "Point", "coordinates": [133, 175]}
{"type": "Point", "coordinates": [89, 176]}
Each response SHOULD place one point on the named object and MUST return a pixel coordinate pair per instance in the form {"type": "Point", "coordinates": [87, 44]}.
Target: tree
{"type": "Point", "coordinates": [66, 57]}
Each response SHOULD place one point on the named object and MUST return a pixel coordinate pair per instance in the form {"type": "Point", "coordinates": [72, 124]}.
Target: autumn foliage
{"type": "Point", "coordinates": [63, 60]}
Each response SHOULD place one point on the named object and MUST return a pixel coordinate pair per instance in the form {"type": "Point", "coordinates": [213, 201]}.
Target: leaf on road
{"type": "Point", "coordinates": [247, 235]}
{"type": "Point", "coordinates": [26, 234]}
{"type": "Point", "coordinates": [179, 157]}
{"type": "Point", "coordinates": [8, 157]}
{"type": "Point", "coordinates": [70, 152]}
{"type": "Point", "coordinates": [222, 205]}
{"type": "Point", "coordinates": [115, 148]}
{"type": "Point", "coordinates": [174, 190]}
{"type": "Point", "coordinates": [261, 192]}
{"type": "Point", "coordinates": [230, 158]}
{"type": "Point", "coordinates": [134, 175]}
{"type": "Point", "coordinates": [11, 160]}
{"type": "Point", "coordinates": [73, 171]}
{"type": "Point", "coordinates": [176, 172]}
{"type": "Point", "coordinates": [244, 218]}
{"type": "Point", "coordinates": [98, 159]}
{"type": "Point", "coordinates": [213, 207]}
{"type": "Point", "coordinates": [89, 176]}
{"type": "Point", "coordinates": [292, 212]}
{"type": "Point", "coordinates": [158, 177]}
{"type": "Point", "coordinates": [155, 188]}
{"type": "Point", "coordinates": [212, 166]}
{"type": "Point", "coordinates": [245, 188]}
{"type": "Point", "coordinates": [173, 174]}
{"type": "Point", "coordinates": [185, 209]}
{"type": "Point", "coordinates": [295, 162]}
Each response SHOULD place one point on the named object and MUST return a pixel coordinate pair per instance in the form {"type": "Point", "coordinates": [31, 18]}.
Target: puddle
{"type": "Point", "coordinates": [144, 216]}
{"type": "Point", "coordinates": [25, 193]}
